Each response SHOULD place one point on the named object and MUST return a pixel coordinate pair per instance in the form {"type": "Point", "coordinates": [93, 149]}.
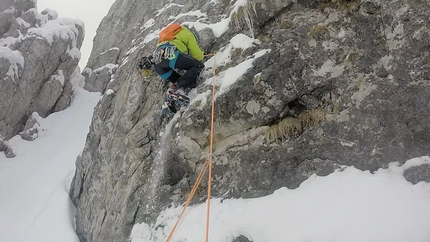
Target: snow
{"type": "Point", "coordinates": [6, 42]}
{"type": "Point", "coordinates": [158, 12]}
{"type": "Point", "coordinates": [51, 13]}
{"type": "Point", "coordinates": [34, 199]}
{"type": "Point", "coordinates": [231, 75]}
{"type": "Point", "coordinates": [148, 24]}
{"type": "Point", "coordinates": [74, 53]}
{"type": "Point", "coordinates": [77, 80]}
{"type": "Point", "coordinates": [149, 37]}
{"type": "Point", "coordinates": [223, 56]}
{"type": "Point", "coordinates": [22, 22]}
{"type": "Point", "coordinates": [111, 49]}
{"type": "Point", "coordinates": [196, 13]}
{"type": "Point", "coordinates": [200, 99]}
{"type": "Point", "coordinates": [109, 66]}
{"type": "Point", "coordinates": [348, 205]}
{"type": "Point", "coordinates": [59, 77]}
{"type": "Point", "coordinates": [220, 27]}
{"type": "Point", "coordinates": [242, 41]}
{"type": "Point", "coordinates": [90, 12]}
{"type": "Point", "coordinates": [228, 77]}
{"type": "Point", "coordinates": [15, 60]}
{"type": "Point", "coordinates": [9, 10]}
{"type": "Point", "coordinates": [63, 28]}
{"type": "Point", "coordinates": [59, 28]}
{"type": "Point", "coordinates": [237, 5]}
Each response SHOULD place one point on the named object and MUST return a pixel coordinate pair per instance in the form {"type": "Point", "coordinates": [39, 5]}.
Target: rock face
{"type": "Point", "coordinates": [97, 80]}
{"type": "Point", "coordinates": [329, 83]}
{"type": "Point", "coordinates": [38, 54]}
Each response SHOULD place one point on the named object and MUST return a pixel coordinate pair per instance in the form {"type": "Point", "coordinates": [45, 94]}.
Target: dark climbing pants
{"type": "Point", "coordinates": [192, 67]}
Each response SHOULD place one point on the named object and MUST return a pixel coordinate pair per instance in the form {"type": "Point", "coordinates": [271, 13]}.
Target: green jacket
{"type": "Point", "coordinates": [186, 43]}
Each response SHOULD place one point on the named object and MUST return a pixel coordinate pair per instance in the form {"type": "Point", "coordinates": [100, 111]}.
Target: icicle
{"type": "Point", "coordinates": [248, 9]}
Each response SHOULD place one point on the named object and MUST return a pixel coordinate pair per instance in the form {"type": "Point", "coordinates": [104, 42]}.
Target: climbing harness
{"type": "Point", "coordinates": [169, 52]}
{"type": "Point", "coordinates": [164, 50]}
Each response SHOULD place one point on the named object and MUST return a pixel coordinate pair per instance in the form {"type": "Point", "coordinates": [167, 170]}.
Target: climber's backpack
{"type": "Point", "coordinates": [169, 32]}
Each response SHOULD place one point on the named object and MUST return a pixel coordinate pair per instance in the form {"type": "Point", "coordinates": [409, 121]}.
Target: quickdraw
{"type": "Point", "coordinates": [169, 52]}
{"type": "Point", "coordinates": [164, 51]}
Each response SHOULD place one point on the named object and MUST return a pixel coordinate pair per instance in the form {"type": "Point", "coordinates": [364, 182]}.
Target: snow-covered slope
{"type": "Point", "coordinates": [34, 186]}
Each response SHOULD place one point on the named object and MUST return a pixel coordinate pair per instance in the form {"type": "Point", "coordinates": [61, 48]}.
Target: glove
{"type": "Point", "coordinates": [146, 63]}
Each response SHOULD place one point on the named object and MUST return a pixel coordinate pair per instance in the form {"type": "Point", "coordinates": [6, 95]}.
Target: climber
{"type": "Point", "coordinates": [177, 48]}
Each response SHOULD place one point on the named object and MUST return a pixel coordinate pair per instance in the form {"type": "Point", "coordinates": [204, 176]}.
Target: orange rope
{"type": "Point", "coordinates": [206, 165]}
{"type": "Point", "coordinates": [210, 154]}
{"type": "Point", "coordinates": [196, 184]}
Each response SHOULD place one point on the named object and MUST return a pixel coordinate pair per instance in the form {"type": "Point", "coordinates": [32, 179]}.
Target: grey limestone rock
{"type": "Point", "coordinates": [418, 173]}
{"type": "Point", "coordinates": [97, 80]}
{"type": "Point", "coordinates": [3, 147]}
{"type": "Point", "coordinates": [38, 54]}
{"type": "Point", "coordinates": [206, 38]}
{"type": "Point", "coordinates": [31, 128]}
{"type": "Point", "coordinates": [370, 7]}
{"type": "Point", "coordinates": [109, 56]}
{"type": "Point", "coordinates": [359, 67]}
{"type": "Point", "coordinates": [9, 153]}
{"type": "Point", "coordinates": [241, 239]}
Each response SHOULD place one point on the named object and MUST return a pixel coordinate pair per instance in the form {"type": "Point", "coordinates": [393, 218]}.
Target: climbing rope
{"type": "Point", "coordinates": [211, 154]}
{"type": "Point", "coordinates": [196, 185]}
{"type": "Point", "coordinates": [206, 165]}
